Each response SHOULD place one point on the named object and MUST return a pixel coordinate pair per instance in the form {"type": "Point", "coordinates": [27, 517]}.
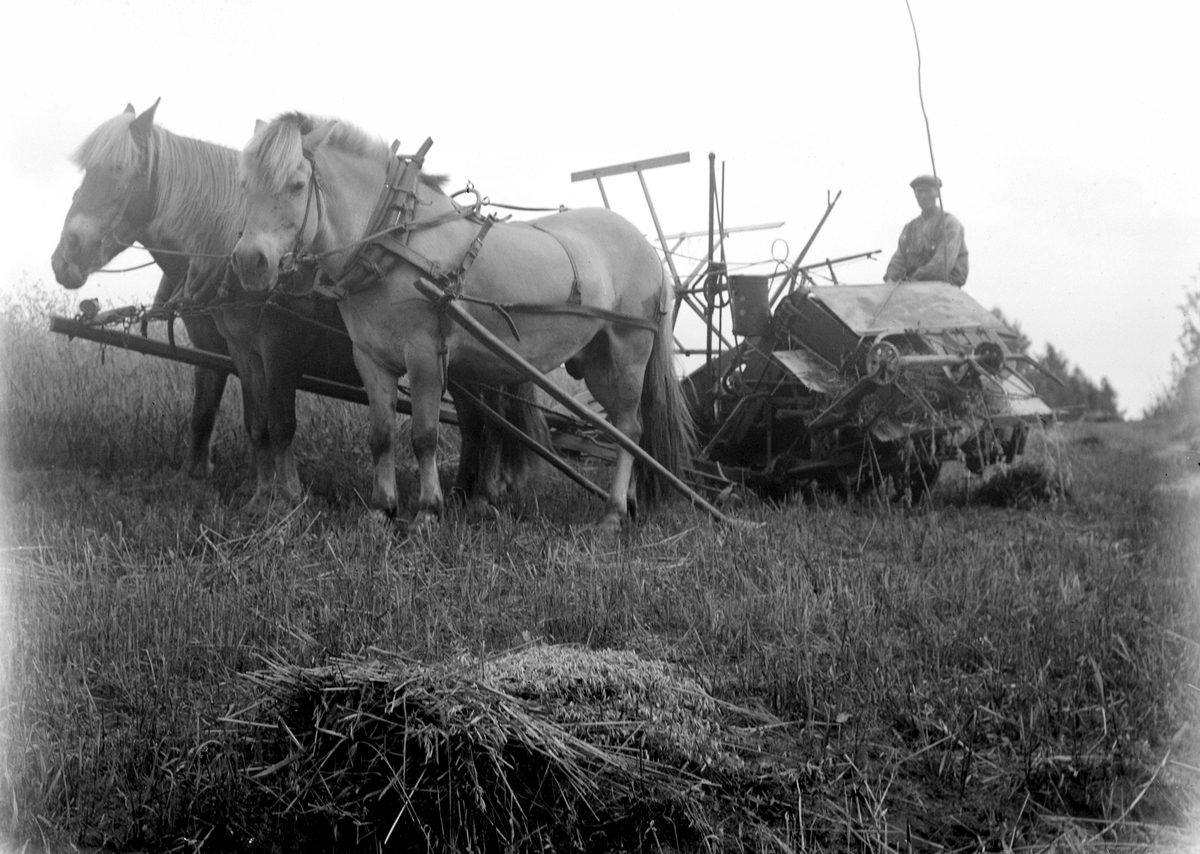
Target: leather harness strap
{"type": "Point", "coordinates": [576, 297]}
{"type": "Point", "coordinates": [578, 311]}
{"type": "Point", "coordinates": [372, 260]}
{"type": "Point", "coordinates": [387, 246]}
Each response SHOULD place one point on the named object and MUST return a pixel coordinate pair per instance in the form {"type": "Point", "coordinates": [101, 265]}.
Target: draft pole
{"type": "Point", "coordinates": [215, 361]}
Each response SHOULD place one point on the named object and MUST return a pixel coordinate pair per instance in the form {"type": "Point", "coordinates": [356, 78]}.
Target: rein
{"type": "Point", "coordinates": [149, 263]}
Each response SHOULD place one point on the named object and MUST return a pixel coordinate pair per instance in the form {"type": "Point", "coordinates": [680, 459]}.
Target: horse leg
{"type": "Point", "coordinates": [282, 345]}
{"type": "Point", "coordinates": [516, 463]}
{"type": "Point", "coordinates": [238, 327]}
{"type": "Point", "coordinates": [425, 379]}
{"type": "Point", "coordinates": [259, 436]}
{"type": "Point", "coordinates": [209, 388]}
{"type": "Point", "coordinates": [380, 384]}
{"type": "Point", "coordinates": [616, 383]}
{"type": "Point", "coordinates": [493, 483]}
{"type": "Point", "coordinates": [254, 412]}
{"type": "Point", "coordinates": [470, 428]}
{"type": "Point", "coordinates": [281, 421]}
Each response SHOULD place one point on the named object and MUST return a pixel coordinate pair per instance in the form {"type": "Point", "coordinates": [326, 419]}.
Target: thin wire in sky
{"type": "Point", "coordinates": [937, 183]}
{"type": "Point", "coordinates": [921, 94]}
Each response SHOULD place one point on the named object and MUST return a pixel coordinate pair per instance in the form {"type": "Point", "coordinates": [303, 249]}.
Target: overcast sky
{"type": "Point", "coordinates": [1065, 133]}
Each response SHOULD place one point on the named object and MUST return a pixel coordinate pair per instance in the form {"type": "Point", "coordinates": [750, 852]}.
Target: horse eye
{"type": "Point", "coordinates": [297, 187]}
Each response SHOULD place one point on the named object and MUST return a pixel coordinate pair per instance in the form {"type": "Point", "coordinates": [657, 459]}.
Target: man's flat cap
{"type": "Point", "coordinates": [925, 181]}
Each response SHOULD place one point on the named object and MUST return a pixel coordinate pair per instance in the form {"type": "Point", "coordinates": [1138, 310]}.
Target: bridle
{"type": "Point", "coordinates": [290, 260]}
{"type": "Point", "coordinates": [121, 233]}
{"type": "Point", "coordinates": [394, 213]}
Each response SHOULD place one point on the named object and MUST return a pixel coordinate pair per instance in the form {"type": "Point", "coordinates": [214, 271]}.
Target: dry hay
{"type": "Point", "coordinates": [544, 748]}
{"type": "Point", "coordinates": [1024, 485]}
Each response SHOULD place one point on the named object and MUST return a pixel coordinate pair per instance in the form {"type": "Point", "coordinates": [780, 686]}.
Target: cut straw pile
{"type": "Point", "coordinates": [544, 748]}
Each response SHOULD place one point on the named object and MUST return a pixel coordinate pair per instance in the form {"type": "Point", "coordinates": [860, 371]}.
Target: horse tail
{"type": "Point", "coordinates": [518, 403]}
{"type": "Point", "coordinates": [668, 433]}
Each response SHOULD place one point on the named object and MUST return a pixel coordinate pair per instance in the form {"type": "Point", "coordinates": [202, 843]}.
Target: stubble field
{"type": "Point", "coordinates": [950, 677]}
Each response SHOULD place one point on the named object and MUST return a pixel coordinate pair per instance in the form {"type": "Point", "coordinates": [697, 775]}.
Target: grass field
{"type": "Point", "coordinates": [951, 677]}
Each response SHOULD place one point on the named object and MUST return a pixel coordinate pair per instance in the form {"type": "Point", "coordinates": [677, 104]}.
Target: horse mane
{"type": "Point", "coordinates": [198, 186]}
{"type": "Point", "coordinates": [198, 198]}
{"type": "Point", "coordinates": [269, 158]}
{"type": "Point", "coordinates": [110, 145]}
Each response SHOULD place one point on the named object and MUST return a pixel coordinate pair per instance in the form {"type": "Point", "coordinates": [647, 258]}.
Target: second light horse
{"type": "Point", "coordinates": [582, 288]}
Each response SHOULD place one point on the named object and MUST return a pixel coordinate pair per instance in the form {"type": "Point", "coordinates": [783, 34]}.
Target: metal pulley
{"type": "Point", "coordinates": [883, 363]}
{"type": "Point", "coordinates": [990, 356]}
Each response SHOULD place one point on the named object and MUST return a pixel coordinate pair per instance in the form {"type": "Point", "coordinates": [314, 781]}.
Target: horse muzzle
{"type": "Point", "coordinates": [70, 276]}
{"type": "Point", "coordinates": [255, 270]}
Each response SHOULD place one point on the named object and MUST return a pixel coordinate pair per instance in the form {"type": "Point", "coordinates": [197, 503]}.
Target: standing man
{"type": "Point", "coordinates": [932, 248]}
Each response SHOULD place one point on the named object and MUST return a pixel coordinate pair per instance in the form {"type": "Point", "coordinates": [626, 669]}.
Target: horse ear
{"type": "Point", "coordinates": [140, 126]}
{"type": "Point", "coordinates": [129, 109]}
{"type": "Point", "coordinates": [259, 124]}
{"type": "Point", "coordinates": [315, 137]}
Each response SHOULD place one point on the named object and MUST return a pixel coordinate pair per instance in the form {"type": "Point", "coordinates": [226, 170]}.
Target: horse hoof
{"type": "Point", "coordinates": [379, 518]}
{"type": "Point", "coordinates": [258, 505]}
{"type": "Point", "coordinates": [188, 473]}
{"type": "Point", "coordinates": [423, 521]}
{"type": "Point", "coordinates": [610, 524]}
{"type": "Point", "coordinates": [289, 500]}
{"type": "Point", "coordinates": [481, 510]}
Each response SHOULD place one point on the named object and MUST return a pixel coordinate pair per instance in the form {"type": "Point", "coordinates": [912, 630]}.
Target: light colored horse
{"type": "Point", "coordinates": [109, 209]}
{"type": "Point", "coordinates": [312, 187]}
{"type": "Point", "coordinates": [180, 197]}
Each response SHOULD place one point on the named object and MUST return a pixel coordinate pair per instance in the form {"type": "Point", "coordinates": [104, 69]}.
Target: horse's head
{"type": "Point", "coordinates": [283, 198]}
{"type": "Point", "coordinates": [114, 200]}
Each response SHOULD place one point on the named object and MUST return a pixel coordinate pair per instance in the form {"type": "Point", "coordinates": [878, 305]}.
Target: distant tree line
{"type": "Point", "coordinates": [1182, 396]}
{"type": "Point", "coordinates": [1077, 396]}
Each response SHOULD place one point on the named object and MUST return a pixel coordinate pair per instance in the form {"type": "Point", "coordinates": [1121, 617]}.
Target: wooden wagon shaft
{"type": "Point", "coordinates": [313, 385]}
{"type": "Point", "coordinates": [502, 423]}
{"type": "Point", "coordinates": [216, 361]}
{"type": "Point", "coordinates": [482, 334]}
